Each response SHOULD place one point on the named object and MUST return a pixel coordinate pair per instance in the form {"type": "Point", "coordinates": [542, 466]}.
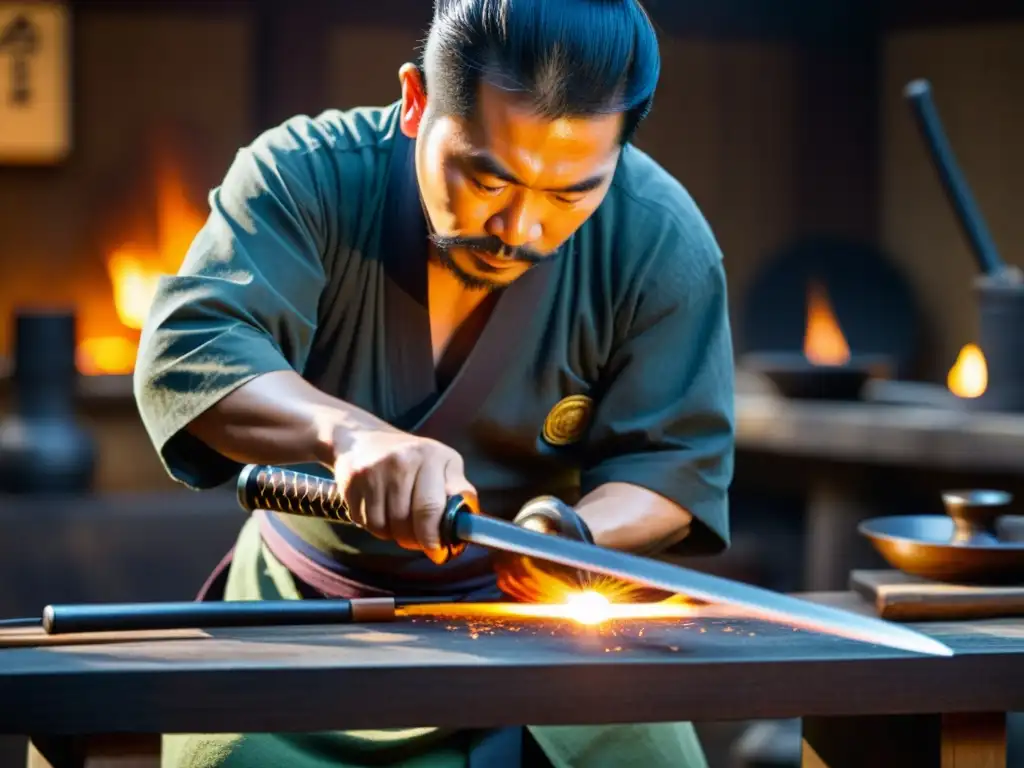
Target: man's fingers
{"type": "Point", "coordinates": [399, 507]}
{"type": "Point", "coordinates": [428, 502]}
{"type": "Point", "coordinates": [373, 496]}
{"type": "Point", "coordinates": [455, 482]}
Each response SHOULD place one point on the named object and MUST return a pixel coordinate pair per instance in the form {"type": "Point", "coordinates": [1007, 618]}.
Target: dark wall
{"type": "Point", "coordinates": [138, 77]}
{"type": "Point", "coordinates": [780, 126]}
{"type": "Point", "coordinates": [738, 119]}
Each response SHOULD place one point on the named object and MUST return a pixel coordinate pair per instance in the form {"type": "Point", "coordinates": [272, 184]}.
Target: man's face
{"type": "Point", "coordinates": [505, 189]}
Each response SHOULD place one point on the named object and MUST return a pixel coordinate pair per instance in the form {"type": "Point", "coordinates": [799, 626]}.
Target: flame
{"type": "Point", "coordinates": [588, 607]}
{"type": "Point", "coordinates": [134, 279]}
{"type": "Point", "coordinates": [98, 355]}
{"type": "Point", "coordinates": [968, 377]}
{"type": "Point", "coordinates": [134, 271]}
{"type": "Point", "coordinates": [824, 343]}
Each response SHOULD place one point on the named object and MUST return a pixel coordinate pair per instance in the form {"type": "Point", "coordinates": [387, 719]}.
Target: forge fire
{"type": "Point", "coordinates": [134, 266]}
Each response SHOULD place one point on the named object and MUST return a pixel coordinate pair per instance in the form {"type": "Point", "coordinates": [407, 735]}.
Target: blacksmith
{"type": "Point", "coordinates": [481, 288]}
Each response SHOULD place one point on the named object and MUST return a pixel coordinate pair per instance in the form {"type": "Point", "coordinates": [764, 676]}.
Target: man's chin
{"type": "Point", "coordinates": [464, 268]}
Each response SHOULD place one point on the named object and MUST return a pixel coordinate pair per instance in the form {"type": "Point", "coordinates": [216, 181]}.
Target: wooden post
{"type": "Point", "coordinates": [116, 751]}
{"type": "Point", "coordinates": [976, 740]}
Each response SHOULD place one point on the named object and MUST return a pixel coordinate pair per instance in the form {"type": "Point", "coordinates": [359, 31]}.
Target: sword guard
{"type": "Point", "coordinates": [449, 540]}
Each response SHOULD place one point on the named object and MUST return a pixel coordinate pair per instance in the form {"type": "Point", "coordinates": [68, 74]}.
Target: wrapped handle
{"type": "Point", "coordinates": [276, 489]}
{"type": "Point", "coordinates": [294, 493]}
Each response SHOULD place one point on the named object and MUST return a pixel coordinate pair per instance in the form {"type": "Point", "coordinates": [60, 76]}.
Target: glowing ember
{"type": "Point", "coordinates": [588, 607]}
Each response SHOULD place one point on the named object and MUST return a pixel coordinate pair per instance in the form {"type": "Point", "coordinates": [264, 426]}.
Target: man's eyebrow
{"type": "Point", "coordinates": [485, 164]}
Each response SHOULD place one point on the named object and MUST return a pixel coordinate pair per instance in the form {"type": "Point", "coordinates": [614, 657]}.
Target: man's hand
{"type": "Point", "coordinates": [531, 580]}
{"type": "Point", "coordinates": [396, 486]}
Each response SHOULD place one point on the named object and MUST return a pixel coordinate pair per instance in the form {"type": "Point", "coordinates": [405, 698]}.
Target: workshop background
{"type": "Point", "coordinates": [785, 119]}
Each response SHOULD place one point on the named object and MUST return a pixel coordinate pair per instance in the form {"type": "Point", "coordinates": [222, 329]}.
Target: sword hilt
{"type": "Point", "coordinates": [276, 489]}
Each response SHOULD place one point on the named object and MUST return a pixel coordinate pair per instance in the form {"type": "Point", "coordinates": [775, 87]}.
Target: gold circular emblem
{"type": "Point", "coordinates": [568, 420]}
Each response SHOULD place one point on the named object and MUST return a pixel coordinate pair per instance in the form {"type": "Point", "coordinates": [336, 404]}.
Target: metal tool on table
{"type": "Point", "coordinates": [975, 542]}
{"type": "Point", "coordinates": [262, 487]}
{"type": "Point", "coordinates": [999, 287]}
{"type": "Point", "coordinates": [131, 617]}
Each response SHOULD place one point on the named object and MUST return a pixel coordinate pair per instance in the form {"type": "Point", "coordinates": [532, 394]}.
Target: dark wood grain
{"type": "Point", "coordinates": [901, 597]}
{"type": "Point", "coordinates": [884, 435]}
{"type": "Point", "coordinates": [475, 674]}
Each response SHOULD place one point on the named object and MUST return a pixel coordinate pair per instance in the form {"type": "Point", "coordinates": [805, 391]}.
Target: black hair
{"type": "Point", "coordinates": [568, 58]}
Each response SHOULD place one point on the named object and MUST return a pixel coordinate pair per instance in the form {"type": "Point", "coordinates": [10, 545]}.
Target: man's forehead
{"type": "Point", "coordinates": [529, 144]}
{"type": "Point", "coordinates": [508, 118]}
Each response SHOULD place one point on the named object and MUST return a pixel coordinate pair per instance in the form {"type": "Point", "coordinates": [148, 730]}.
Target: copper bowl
{"type": "Point", "coordinates": [971, 544]}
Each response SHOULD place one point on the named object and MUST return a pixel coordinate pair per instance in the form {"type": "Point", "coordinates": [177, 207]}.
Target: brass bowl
{"type": "Point", "coordinates": [968, 545]}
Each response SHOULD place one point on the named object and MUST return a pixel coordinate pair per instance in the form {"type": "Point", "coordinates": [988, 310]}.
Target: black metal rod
{"type": "Point", "coordinates": [919, 94]}
{"type": "Point", "coordinates": [121, 617]}
{"type": "Point", "coordinates": [127, 617]}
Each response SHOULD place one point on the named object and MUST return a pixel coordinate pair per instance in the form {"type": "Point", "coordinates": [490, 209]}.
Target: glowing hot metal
{"type": "Point", "coordinates": [753, 602]}
{"type": "Point", "coordinates": [296, 493]}
{"type": "Point", "coordinates": [588, 608]}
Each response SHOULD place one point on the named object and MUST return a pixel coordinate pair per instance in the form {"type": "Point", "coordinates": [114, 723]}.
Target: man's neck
{"type": "Point", "coordinates": [449, 303]}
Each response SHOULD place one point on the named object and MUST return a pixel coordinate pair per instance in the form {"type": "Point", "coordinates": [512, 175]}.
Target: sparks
{"type": "Point", "coordinates": [588, 607]}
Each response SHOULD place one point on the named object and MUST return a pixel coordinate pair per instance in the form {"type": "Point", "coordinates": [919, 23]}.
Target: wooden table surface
{"type": "Point", "coordinates": [955, 439]}
{"type": "Point", "coordinates": [458, 673]}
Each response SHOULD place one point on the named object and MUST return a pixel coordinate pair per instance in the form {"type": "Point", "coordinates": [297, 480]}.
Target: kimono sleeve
{"type": "Point", "coordinates": [664, 418]}
{"type": "Point", "coordinates": [244, 302]}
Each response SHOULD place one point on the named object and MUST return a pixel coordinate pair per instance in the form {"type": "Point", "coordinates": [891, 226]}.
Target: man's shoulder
{"type": "Point", "coordinates": [331, 135]}
{"type": "Point", "coordinates": [648, 194]}
{"type": "Point", "coordinates": [654, 220]}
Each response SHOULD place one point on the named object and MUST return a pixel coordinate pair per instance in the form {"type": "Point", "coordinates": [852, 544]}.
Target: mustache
{"type": "Point", "coordinates": [492, 246]}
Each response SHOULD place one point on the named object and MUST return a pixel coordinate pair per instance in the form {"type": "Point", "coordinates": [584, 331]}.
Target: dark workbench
{"type": "Point", "coordinates": [867, 436]}
{"type": "Point", "coordinates": [480, 674]}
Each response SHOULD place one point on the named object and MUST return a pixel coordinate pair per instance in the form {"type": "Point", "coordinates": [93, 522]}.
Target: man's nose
{"type": "Point", "coordinates": [518, 224]}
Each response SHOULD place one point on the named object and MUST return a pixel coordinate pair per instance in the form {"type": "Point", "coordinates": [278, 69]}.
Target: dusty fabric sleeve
{"type": "Point", "coordinates": [664, 418]}
{"type": "Point", "coordinates": [244, 302]}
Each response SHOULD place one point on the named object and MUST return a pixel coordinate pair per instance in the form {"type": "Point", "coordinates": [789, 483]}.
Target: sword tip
{"type": "Point", "coordinates": [932, 646]}
{"type": "Point", "coordinates": [917, 642]}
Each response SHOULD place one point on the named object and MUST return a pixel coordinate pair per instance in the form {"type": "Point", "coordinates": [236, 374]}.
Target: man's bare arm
{"type": "Point", "coordinates": [633, 519]}
{"type": "Point", "coordinates": [394, 483]}
{"type": "Point", "coordinates": [280, 418]}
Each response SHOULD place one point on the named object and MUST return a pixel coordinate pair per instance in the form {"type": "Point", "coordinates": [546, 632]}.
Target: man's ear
{"type": "Point", "coordinates": [414, 99]}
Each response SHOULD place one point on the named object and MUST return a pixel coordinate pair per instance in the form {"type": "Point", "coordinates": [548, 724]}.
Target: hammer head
{"type": "Point", "coordinates": [20, 36]}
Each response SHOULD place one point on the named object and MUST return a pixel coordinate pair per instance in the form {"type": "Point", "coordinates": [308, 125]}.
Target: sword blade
{"type": "Point", "coordinates": [756, 602]}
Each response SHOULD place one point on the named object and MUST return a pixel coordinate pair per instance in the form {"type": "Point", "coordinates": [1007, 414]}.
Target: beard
{"type": "Point", "coordinates": [492, 246]}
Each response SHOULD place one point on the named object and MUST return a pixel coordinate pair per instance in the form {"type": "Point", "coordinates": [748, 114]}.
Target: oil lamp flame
{"type": "Point", "coordinates": [968, 378]}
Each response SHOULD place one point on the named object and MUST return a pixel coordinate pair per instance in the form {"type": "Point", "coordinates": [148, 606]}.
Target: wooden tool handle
{"type": "Point", "coordinates": [919, 95]}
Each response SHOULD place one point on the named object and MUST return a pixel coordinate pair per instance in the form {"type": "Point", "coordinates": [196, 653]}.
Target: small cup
{"type": "Point", "coordinates": [975, 513]}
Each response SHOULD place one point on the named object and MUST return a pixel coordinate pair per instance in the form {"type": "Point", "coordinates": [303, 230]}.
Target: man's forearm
{"type": "Point", "coordinates": [280, 418]}
{"type": "Point", "coordinates": [633, 519]}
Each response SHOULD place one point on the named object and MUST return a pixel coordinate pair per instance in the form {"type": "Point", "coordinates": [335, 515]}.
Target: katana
{"type": "Point", "coordinates": [263, 487]}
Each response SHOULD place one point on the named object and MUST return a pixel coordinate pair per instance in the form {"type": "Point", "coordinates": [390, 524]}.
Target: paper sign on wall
{"type": "Point", "coordinates": [34, 82]}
